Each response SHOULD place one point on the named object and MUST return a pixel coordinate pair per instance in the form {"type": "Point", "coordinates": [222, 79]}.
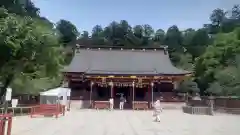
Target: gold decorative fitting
{"type": "Point", "coordinates": [103, 80]}
{"type": "Point", "coordinates": [140, 80]}
{"type": "Point", "coordinates": [98, 48]}
{"type": "Point", "coordinates": [121, 49]}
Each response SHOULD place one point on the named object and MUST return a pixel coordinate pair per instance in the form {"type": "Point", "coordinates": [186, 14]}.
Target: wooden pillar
{"type": "Point", "coordinates": [152, 85]}
{"type": "Point", "coordinates": [149, 96]}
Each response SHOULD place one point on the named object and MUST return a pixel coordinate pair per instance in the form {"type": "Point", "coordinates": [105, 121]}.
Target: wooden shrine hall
{"type": "Point", "coordinates": [97, 73]}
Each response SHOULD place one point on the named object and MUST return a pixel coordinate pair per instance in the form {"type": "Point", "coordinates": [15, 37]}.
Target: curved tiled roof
{"type": "Point", "coordinates": [123, 62]}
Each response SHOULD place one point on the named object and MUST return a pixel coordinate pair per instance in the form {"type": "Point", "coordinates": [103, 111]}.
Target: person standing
{"type": "Point", "coordinates": [122, 101]}
{"type": "Point", "coordinates": [111, 103]}
{"type": "Point", "coordinates": [157, 110]}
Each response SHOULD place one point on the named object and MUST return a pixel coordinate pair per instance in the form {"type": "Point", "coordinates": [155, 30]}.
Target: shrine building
{"type": "Point", "coordinates": [97, 73]}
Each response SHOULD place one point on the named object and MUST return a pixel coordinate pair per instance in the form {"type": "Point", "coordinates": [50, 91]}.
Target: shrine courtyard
{"type": "Point", "coordinates": [127, 122]}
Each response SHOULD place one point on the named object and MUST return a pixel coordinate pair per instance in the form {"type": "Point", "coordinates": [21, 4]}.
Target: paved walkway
{"type": "Point", "coordinates": [91, 122]}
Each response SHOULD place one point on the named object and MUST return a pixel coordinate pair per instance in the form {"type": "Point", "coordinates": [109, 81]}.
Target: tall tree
{"type": "Point", "coordinates": [85, 35]}
{"type": "Point", "coordinates": [148, 31]}
{"type": "Point", "coordinates": [197, 42]}
{"type": "Point", "coordinates": [217, 17]}
{"type": "Point", "coordinates": [97, 31]}
{"type": "Point", "coordinates": [68, 31]}
{"type": "Point", "coordinates": [138, 31]}
{"type": "Point", "coordinates": [174, 38]}
{"type": "Point", "coordinates": [217, 57]}
{"type": "Point", "coordinates": [20, 7]}
{"type": "Point", "coordinates": [159, 36]}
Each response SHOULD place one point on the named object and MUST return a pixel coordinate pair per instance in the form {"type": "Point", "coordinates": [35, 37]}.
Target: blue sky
{"type": "Point", "coordinates": [85, 14]}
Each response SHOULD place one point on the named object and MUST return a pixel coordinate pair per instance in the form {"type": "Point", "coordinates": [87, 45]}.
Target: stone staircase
{"type": "Point", "coordinates": [80, 104]}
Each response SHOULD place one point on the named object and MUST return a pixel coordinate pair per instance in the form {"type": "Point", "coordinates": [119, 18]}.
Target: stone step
{"type": "Point", "coordinates": [86, 104]}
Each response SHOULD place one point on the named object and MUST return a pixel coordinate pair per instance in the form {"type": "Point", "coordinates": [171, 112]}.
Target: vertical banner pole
{"type": "Point", "coordinates": [91, 89]}
{"type": "Point", "coordinates": [111, 84]}
{"type": "Point", "coordinates": [133, 94]}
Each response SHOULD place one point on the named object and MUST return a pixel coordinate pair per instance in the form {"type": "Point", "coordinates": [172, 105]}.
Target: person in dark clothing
{"type": "Point", "coordinates": [122, 101]}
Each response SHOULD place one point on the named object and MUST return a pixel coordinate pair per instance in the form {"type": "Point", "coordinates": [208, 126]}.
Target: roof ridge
{"type": "Point", "coordinates": [122, 47]}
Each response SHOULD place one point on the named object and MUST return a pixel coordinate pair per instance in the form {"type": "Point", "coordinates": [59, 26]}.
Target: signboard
{"type": "Point", "coordinates": [8, 96]}
{"type": "Point", "coordinates": [140, 80]}
{"type": "Point", "coordinates": [14, 102]}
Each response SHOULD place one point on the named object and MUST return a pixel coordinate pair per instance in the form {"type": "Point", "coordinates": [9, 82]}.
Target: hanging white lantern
{"type": "Point", "coordinates": [110, 83]}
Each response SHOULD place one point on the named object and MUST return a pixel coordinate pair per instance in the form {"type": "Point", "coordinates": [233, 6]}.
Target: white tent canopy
{"type": "Point", "coordinates": [56, 95]}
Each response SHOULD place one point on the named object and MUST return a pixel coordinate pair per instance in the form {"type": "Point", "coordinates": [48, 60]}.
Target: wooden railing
{"type": "Point", "coordinates": [48, 109]}
{"type": "Point", "coordinates": [17, 110]}
{"type": "Point", "coordinates": [101, 104]}
{"type": "Point", "coordinates": [140, 105]}
{"type": "Point", "coordinates": [5, 124]}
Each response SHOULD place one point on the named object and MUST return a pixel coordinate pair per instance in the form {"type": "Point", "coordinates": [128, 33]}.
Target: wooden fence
{"type": "Point", "coordinates": [198, 110]}
{"type": "Point", "coordinates": [223, 104]}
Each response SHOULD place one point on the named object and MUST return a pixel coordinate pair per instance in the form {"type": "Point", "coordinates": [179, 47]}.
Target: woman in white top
{"type": "Point", "coordinates": [157, 110]}
{"type": "Point", "coordinates": [111, 103]}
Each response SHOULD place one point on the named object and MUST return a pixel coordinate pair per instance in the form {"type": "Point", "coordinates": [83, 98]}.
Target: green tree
{"type": "Point", "coordinates": [138, 31]}
{"type": "Point", "coordinates": [227, 80]}
{"type": "Point", "coordinates": [217, 58]}
{"type": "Point", "coordinates": [20, 7]}
{"type": "Point", "coordinates": [85, 35]}
{"type": "Point", "coordinates": [196, 42]}
{"type": "Point", "coordinates": [173, 39]}
{"type": "Point", "coordinates": [27, 48]}
{"type": "Point", "coordinates": [188, 86]}
{"type": "Point", "coordinates": [159, 36]}
{"type": "Point", "coordinates": [68, 31]}
{"type": "Point", "coordinates": [217, 17]}
{"type": "Point", "coordinates": [97, 31]}
{"type": "Point", "coordinates": [98, 37]}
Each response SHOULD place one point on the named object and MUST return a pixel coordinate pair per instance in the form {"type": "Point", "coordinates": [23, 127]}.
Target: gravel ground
{"type": "Point", "coordinates": [103, 122]}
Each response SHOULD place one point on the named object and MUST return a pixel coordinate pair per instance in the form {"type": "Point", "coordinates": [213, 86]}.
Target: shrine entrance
{"type": "Point", "coordinates": [141, 94]}
{"type": "Point", "coordinates": [126, 91]}
{"type": "Point", "coordinates": [103, 93]}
